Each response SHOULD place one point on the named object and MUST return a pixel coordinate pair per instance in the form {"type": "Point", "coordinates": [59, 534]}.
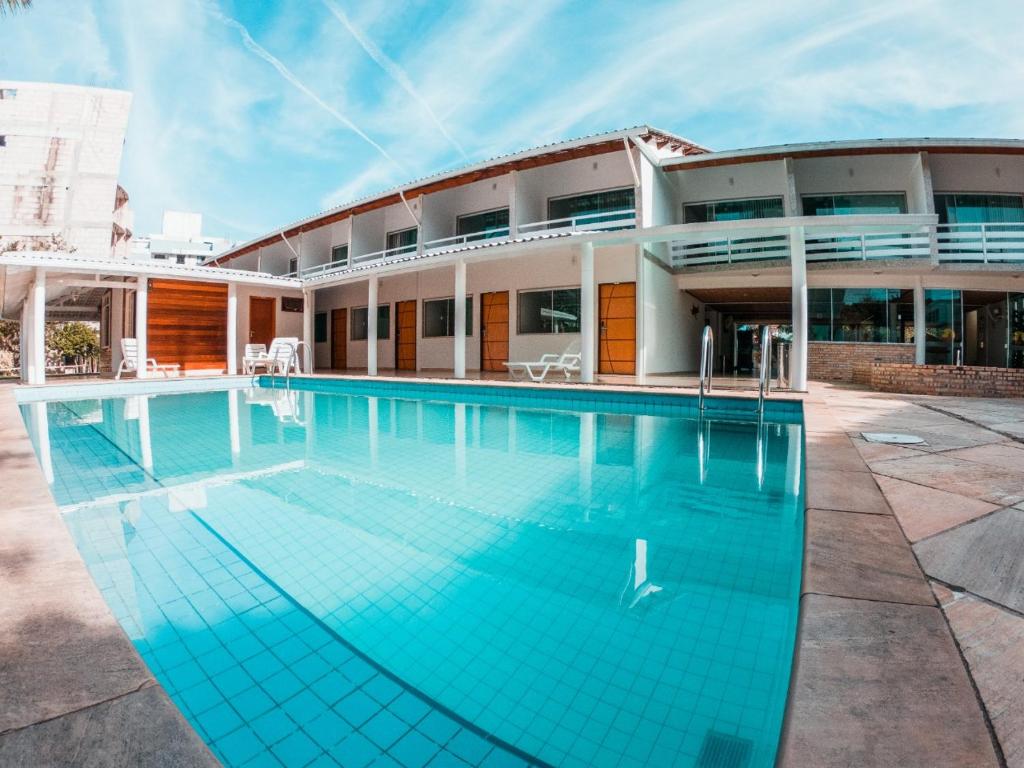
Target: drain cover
{"type": "Point", "coordinates": [892, 438]}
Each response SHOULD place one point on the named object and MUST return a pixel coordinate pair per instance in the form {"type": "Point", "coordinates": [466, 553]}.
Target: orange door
{"type": "Point", "coordinates": [405, 335]}
{"type": "Point", "coordinates": [493, 331]}
{"type": "Point", "coordinates": [617, 316]}
{"type": "Point", "coordinates": [261, 320]}
{"type": "Point", "coordinates": [339, 338]}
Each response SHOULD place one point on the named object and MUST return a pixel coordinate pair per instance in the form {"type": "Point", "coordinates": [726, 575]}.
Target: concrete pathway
{"type": "Point", "coordinates": [959, 500]}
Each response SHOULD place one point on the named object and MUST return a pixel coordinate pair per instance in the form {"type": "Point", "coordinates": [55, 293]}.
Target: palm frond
{"type": "Point", "coordinates": [13, 5]}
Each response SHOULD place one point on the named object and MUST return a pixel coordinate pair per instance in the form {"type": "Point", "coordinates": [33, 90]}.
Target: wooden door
{"type": "Point", "coordinates": [405, 335]}
{"type": "Point", "coordinates": [493, 331]}
{"type": "Point", "coordinates": [261, 320]}
{"type": "Point", "coordinates": [339, 338]}
{"type": "Point", "coordinates": [617, 317]}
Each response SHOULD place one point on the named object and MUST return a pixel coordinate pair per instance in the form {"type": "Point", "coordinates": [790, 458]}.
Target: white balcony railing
{"type": "Point", "coordinates": [980, 243]}
{"type": "Point", "coordinates": [864, 246]}
{"type": "Point", "coordinates": [458, 241]}
{"type": "Point", "coordinates": [730, 250]}
{"type": "Point", "coordinates": [587, 222]}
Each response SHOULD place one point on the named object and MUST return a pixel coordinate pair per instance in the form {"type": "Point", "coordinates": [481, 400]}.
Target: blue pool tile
{"type": "Point", "coordinates": [220, 721]}
{"type": "Point", "coordinates": [296, 750]}
{"type": "Point", "coordinates": [382, 689]}
{"type": "Point", "coordinates": [327, 728]}
{"type": "Point", "coordinates": [438, 727]}
{"type": "Point", "coordinates": [333, 687]}
{"type": "Point", "coordinates": [273, 726]}
{"type": "Point", "coordinates": [413, 750]}
{"type": "Point", "coordinates": [469, 746]}
{"type": "Point", "coordinates": [356, 751]}
{"type": "Point", "coordinates": [282, 686]}
{"type": "Point", "coordinates": [410, 708]}
{"type": "Point", "coordinates": [357, 708]}
{"type": "Point", "coordinates": [238, 747]}
{"type": "Point", "coordinates": [303, 706]}
{"type": "Point", "coordinates": [252, 703]}
{"type": "Point", "coordinates": [384, 729]}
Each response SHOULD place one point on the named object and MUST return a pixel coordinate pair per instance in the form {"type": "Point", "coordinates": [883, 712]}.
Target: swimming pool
{"type": "Point", "coordinates": [362, 572]}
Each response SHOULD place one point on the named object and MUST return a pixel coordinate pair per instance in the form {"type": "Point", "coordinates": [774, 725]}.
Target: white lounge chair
{"type": "Point", "coordinates": [255, 355]}
{"type": "Point", "coordinates": [566, 363]}
{"type": "Point", "coordinates": [130, 361]}
{"type": "Point", "coordinates": [277, 359]}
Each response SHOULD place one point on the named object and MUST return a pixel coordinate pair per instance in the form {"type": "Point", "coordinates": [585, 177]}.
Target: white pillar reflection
{"type": "Point", "coordinates": [587, 443]}
{"type": "Point", "coordinates": [373, 429]}
{"type": "Point", "coordinates": [794, 458]}
{"type": "Point", "coordinates": [145, 437]}
{"type": "Point", "coordinates": [236, 440]}
{"type": "Point", "coordinates": [460, 444]}
{"type": "Point", "coordinates": [41, 426]}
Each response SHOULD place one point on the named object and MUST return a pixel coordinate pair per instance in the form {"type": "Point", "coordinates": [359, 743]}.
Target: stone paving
{"type": "Point", "coordinates": [959, 500]}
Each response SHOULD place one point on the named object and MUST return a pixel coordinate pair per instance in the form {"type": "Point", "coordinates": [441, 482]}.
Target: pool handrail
{"type": "Point", "coordinates": [707, 363]}
{"type": "Point", "coordinates": [764, 384]}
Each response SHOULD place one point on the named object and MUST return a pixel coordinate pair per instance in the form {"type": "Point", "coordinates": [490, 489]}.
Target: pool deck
{"type": "Point", "coordinates": [910, 649]}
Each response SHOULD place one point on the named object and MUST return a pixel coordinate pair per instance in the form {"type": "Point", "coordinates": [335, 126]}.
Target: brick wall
{"type": "Point", "coordinates": [969, 381]}
{"type": "Point", "coordinates": [851, 362]}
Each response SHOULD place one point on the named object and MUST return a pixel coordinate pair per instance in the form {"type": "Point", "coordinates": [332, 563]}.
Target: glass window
{"type": "Point", "coordinates": [8, 93]}
{"type": "Point", "coordinates": [359, 325]}
{"type": "Point", "coordinates": [733, 210]}
{"type": "Point", "coordinates": [439, 317]}
{"type": "Point", "coordinates": [483, 225]}
{"type": "Point", "coordinates": [550, 311]}
{"type": "Point", "coordinates": [339, 255]}
{"type": "Point", "coordinates": [843, 205]}
{"type": "Point", "coordinates": [943, 311]}
{"type": "Point", "coordinates": [1015, 316]}
{"type": "Point", "coordinates": [591, 205]}
{"type": "Point", "coordinates": [878, 315]}
{"type": "Point", "coordinates": [957, 208]}
{"type": "Point", "coordinates": [293, 265]}
{"type": "Point", "coordinates": [819, 314]}
{"type": "Point", "coordinates": [320, 328]}
{"type": "Point", "coordinates": [3, 141]}
{"type": "Point", "coordinates": [404, 238]}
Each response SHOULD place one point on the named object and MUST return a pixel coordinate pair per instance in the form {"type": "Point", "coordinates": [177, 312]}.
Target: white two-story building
{"type": "Point", "coordinates": [629, 243]}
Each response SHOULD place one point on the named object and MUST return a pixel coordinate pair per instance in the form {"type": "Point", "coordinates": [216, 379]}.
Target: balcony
{"type": "Point", "coordinates": [605, 221]}
{"type": "Point", "coordinates": [980, 243]}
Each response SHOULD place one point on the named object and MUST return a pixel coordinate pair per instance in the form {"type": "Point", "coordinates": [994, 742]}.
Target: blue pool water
{"type": "Point", "coordinates": [406, 575]}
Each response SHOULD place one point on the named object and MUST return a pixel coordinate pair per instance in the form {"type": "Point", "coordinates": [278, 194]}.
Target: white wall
{"type": "Point", "coordinates": [977, 173]}
{"type": "Point", "coordinates": [671, 336]}
{"type": "Point", "coordinates": [586, 174]}
{"type": "Point", "coordinates": [867, 173]}
{"type": "Point", "coordinates": [736, 182]}
{"type": "Point", "coordinates": [442, 209]}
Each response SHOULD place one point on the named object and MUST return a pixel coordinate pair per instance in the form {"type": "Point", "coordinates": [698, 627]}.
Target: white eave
{"type": "Point", "coordinates": [17, 264]}
{"type": "Point", "coordinates": [860, 146]}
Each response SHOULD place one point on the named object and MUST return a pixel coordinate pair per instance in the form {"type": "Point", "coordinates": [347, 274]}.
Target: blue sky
{"type": "Point", "coordinates": [258, 113]}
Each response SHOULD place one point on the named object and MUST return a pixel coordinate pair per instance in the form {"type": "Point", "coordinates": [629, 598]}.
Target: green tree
{"type": "Point", "coordinates": [76, 341]}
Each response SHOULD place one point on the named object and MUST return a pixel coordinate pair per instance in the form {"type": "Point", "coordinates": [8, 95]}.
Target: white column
{"type": "Point", "coordinates": [371, 326]}
{"type": "Point", "coordinates": [233, 428]}
{"type": "Point", "coordinates": [24, 331]}
{"type": "Point", "coordinates": [41, 427]}
{"type": "Point", "coordinates": [513, 207]}
{"type": "Point", "coordinates": [308, 308]}
{"type": "Point", "coordinates": [588, 334]}
{"type": "Point", "coordinates": [798, 355]}
{"type": "Point", "coordinates": [920, 324]}
{"type": "Point", "coordinates": [641, 315]}
{"type": "Point", "coordinates": [37, 339]}
{"type": "Point", "coordinates": [141, 323]}
{"type": "Point", "coordinates": [232, 329]}
{"type": "Point", "coordinates": [460, 319]}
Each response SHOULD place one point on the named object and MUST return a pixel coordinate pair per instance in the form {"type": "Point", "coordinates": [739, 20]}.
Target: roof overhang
{"type": "Point", "coordinates": [846, 149]}
{"type": "Point", "coordinates": [17, 269]}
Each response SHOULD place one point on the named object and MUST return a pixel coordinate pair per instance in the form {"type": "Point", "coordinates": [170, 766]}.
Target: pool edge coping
{"type": "Point", "coordinates": [128, 732]}
{"type": "Point", "coordinates": [816, 418]}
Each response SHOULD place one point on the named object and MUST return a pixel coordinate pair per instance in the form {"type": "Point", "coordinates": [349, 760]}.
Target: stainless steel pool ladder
{"type": "Point", "coordinates": [294, 362]}
{"type": "Point", "coordinates": [707, 364]}
{"type": "Point", "coordinates": [764, 383]}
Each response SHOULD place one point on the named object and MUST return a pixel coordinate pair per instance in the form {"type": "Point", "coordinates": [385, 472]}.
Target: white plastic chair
{"type": "Point", "coordinates": [130, 361]}
{"type": "Point", "coordinates": [278, 357]}
{"type": "Point", "coordinates": [255, 355]}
